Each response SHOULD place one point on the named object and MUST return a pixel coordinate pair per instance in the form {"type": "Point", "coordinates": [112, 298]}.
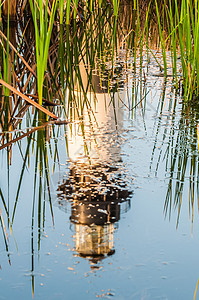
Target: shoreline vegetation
{"type": "Point", "coordinates": [49, 23]}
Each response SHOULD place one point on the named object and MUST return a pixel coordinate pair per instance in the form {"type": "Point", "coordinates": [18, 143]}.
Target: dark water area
{"type": "Point", "coordinates": [104, 205]}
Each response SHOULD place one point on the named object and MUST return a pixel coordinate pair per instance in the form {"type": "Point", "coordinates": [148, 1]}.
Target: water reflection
{"type": "Point", "coordinates": [96, 150]}
{"type": "Point", "coordinates": [176, 149]}
{"type": "Point", "coordinates": [95, 185]}
{"type": "Point", "coordinates": [97, 195]}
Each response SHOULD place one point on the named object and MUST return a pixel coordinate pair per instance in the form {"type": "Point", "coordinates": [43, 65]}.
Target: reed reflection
{"type": "Point", "coordinates": [178, 148]}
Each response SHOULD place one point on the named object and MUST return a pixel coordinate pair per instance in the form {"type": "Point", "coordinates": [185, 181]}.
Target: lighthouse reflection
{"type": "Point", "coordinates": [98, 195]}
{"type": "Point", "coordinates": [96, 186]}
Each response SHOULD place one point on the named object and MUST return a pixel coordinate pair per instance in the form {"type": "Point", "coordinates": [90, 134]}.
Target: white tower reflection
{"type": "Point", "coordinates": [96, 185]}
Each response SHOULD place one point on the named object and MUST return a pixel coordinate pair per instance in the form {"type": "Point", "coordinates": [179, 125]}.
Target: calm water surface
{"type": "Point", "coordinates": [117, 231]}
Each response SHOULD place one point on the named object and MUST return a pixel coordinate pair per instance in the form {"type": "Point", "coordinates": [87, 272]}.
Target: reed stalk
{"type": "Point", "coordinates": [116, 4]}
{"type": "Point", "coordinates": [182, 20]}
{"type": "Point", "coordinates": [43, 30]}
{"type": "Point", "coordinates": [6, 72]}
{"type": "Point", "coordinates": [68, 4]}
{"type": "Point", "coordinates": [61, 11]}
{"type": "Point", "coordinates": [162, 37]}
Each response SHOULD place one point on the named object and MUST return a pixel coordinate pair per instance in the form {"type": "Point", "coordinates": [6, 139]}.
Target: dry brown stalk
{"type": "Point", "coordinates": [15, 50]}
{"type": "Point", "coordinates": [35, 104]}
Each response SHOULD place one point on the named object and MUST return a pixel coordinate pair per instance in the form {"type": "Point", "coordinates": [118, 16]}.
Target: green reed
{"type": "Point", "coordinates": [68, 5]}
{"type": "Point", "coordinates": [75, 9]}
{"type": "Point", "coordinates": [162, 37]}
{"type": "Point", "coordinates": [43, 32]}
{"type": "Point", "coordinates": [181, 21]}
{"type": "Point", "coordinates": [61, 11]}
{"type": "Point", "coordinates": [44, 17]}
{"type": "Point", "coordinates": [5, 73]}
{"type": "Point", "coordinates": [116, 4]}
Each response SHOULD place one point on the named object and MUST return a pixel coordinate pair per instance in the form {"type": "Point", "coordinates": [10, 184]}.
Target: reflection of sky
{"type": "Point", "coordinates": [153, 259]}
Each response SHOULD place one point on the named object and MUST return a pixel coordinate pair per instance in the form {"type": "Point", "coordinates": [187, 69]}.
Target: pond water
{"type": "Point", "coordinates": [124, 217]}
{"type": "Point", "coordinates": [104, 205]}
